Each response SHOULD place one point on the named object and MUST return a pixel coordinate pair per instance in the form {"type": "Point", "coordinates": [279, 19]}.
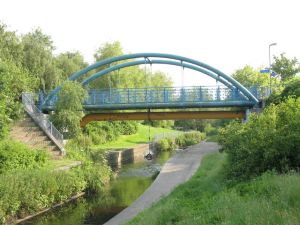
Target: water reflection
{"type": "Point", "coordinates": [132, 181]}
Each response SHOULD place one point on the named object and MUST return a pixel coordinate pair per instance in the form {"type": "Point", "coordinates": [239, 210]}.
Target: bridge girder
{"type": "Point", "coordinates": [179, 115]}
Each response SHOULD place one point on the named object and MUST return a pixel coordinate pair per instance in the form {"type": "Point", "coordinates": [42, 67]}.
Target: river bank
{"type": "Point", "coordinates": [177, 170]}
{"type": "Point", "coordinates": [132, 180]}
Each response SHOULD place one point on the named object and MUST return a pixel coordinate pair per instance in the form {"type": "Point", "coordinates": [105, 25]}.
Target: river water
{"type": "Point", "coordinates": [131, 182]}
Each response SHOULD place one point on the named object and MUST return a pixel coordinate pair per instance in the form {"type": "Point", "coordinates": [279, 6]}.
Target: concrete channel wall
{"type": "Point", "coordinates": [131, 155]}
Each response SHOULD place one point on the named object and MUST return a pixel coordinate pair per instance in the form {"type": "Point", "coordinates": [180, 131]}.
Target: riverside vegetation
{"type": "Point", "coordinates": [28, 64]}
{"type": "Point", "coordinates": [182, 141]}
{"type": "Point", "coordinates": [29, 184]}
{"type": "Point", "coordinates": [254, 180]}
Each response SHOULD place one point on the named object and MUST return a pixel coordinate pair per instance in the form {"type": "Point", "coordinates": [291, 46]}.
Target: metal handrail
{"type": "Point", "coordinates": [42, 121]}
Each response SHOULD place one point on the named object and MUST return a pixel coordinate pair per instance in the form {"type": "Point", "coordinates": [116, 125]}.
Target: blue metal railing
{"type": "Point", "coordinates": [166, 96]}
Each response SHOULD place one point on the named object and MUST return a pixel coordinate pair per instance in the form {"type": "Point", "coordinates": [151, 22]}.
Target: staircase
{"type": "Point", "coordinates": [29, 133]}
{"type": "Point", "coordinates": [35, 130]}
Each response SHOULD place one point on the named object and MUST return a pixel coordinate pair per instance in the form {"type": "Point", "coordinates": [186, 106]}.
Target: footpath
{"type": "Point", "coordinates": [176, 170]}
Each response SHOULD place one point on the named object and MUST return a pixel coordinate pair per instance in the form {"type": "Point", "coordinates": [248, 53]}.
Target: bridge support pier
{"type": "Point", "coordinates": [247, 115]}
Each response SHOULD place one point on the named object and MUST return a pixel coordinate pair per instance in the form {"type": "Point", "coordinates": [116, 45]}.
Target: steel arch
{"type": "Point", "coordinates": [181, 61]}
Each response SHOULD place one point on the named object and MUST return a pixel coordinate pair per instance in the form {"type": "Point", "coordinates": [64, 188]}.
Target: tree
{"type": "Point", "coordinates": [69, 63]}
{"type": "Point", "coordinates": [13, 81]}
{"type": "Point", "coordinates": [291, 89]}
{"type": "Point", "coordinates": [269, 141]}
{"type": "Point", "coordinates": [248, 77]}
{"type": "Point", "coordinates": [38, 58]}
{"type": "Point", "coordinates": [108, 50]}
{"type": "Point", "coordinates": [10, 46]}
{"type": "Point", "coordinates": [286, 68]}
{"type": "Point", "coordinates": [69, 108]}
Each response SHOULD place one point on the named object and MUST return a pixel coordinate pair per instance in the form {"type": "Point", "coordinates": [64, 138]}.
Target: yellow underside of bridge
{"type": "Point", "coordinates": [183, 115]}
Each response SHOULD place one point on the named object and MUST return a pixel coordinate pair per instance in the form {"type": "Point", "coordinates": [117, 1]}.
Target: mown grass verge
{"type": "Point", "coordinates": [209, 197]}
{"type": "Point", "coordinates": [128, 141]}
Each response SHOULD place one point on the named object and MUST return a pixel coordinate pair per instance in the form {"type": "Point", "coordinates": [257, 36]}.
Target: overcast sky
{"type": "Point", "coordinates": [226, 34]}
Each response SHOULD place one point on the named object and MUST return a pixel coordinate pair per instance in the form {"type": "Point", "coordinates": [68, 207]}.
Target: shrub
{"type": "Point", "coordinates": [15, 155]}
{"type": "Point", "coordinates": [26, 192]}
{"type": "Point", "coordinates": [128, 127]}
{"type": "Point", "coordinates": [102, 132]}
{"type": "Point", "coordinates": [269, 141]}
{"type": "Point", "coordinates": [165, 144]}
{"type": "Point", "coordinates": [79, 147]}
{"type": "Point", "coordinates": [210, 130]}
{"type": "Point", "coordinates": [183, 140]}
{"type": "Point", "coordinates": [162, 145]}
{"type": "Point", "coordinates": [189, 138]}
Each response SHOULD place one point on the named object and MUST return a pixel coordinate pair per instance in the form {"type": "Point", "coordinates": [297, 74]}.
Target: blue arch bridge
{"type": "Point", "coordinates": [228, 100]}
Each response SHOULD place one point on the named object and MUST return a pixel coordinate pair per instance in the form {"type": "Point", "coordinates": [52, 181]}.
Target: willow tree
{"type": "Point", "coordinates": [69, 108]}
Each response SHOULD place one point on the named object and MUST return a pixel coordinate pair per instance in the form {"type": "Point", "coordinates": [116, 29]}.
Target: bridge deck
{"type": "Point", "coordinates": [166, 97]}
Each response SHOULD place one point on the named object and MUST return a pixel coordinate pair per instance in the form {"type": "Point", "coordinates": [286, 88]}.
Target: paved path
{"type": "Point", "coordinates": [176, 170]}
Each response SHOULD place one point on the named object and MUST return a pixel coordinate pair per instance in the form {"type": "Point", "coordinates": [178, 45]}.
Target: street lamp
{"type": "Point", "coordinates": [270, 69]}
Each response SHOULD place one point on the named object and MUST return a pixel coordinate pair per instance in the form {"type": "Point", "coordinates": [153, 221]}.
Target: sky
{"type": "Point", "coordinates": [226, 34]}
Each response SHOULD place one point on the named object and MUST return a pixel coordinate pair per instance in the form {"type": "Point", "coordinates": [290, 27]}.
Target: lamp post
{"type": "Point", "coordinates": [270, 69]}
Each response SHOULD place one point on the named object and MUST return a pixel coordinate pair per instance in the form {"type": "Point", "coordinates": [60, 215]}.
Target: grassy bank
{"type": "Point", "coordinates": [211, 198]}
{"type": "Point", "coordinates": [127, 141]}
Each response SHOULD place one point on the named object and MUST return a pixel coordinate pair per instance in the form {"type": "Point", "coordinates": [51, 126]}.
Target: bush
{"type": "Point", "coordinates": [102, 132]}
{"type": "Point", "coordinates": [189, 138]}
{"type": "Point", "coordinates": [79, 147]}
{"type": "Point", "coordinates": [165, 144]}
{"type": "Point", "coordinates": [26, 192]}
{"type": "Point", "coordinates": [269, 141]}
{"type": "Point", "coordinates": [15, 155]}
{"type": "Point", "coordinates": [210, 130]}
{"type": "Point", "coordinates": [183, 140]}
{"type": "Point", "coordinates": [291, 88]}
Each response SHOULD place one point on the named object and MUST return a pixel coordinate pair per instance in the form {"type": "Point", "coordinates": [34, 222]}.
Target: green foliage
{"type": "Point", "coordinates": [249, 76]}
{"type": "Point", "coordinates": [209, 130]}
{"type": "Point", "coordinates": [13, 81]}
{"type": "Point", "coordinates": [79, 147]}
{"type": "Point", "coordinates": [131, 77]}
{"type": "Point", "coordinates": [269, 141]}
{"type": "Point", "coordinates": [140, 137]}
{"type": "Point", "coordinates": [26, 192]}
{"type": "Point", "coordinates": [69, 63]}
{"type": "Point", "coordinates": [285, 67]}
{"type": "Point", "coordinates": [208, 198]}
{"type": "Point", "coordinates": [102, 132]}
{"type": "Point", "coordinates": [189, 138]}
{"type": "Point", "coordinates": [68, 108]}
{"type": "Point", "coordinates": [291, 88]}
{"type": "Point", "coordinates": [198, 125]}
{"type": "Point", "coordinates": [38, 58]}
{"type": "Point", "coordinates": [160, 123]}
{"type": "Point", "coordinates": [10, 46]}
{"type": "Point", "coordinates": [15, 156]}
{"type": "Point", "coordinates": [165, 144]}
{"type": "Point", "coordinates": [183, 140]}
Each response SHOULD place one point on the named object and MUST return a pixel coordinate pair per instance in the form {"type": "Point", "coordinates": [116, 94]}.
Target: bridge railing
{"type": "Point", "coordinates": [162, 95]}
{"type": "Point", "coordinates": [41, 120]}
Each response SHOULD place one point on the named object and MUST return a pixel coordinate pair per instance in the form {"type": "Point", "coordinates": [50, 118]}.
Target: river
{"type": "Point", "coordinates": [132, 180]}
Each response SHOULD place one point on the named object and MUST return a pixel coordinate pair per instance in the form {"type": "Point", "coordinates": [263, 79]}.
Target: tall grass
{"type": "Point", "coordinates": [210, 198]}
{"type": "Point", "coordinates": [28, 191]}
